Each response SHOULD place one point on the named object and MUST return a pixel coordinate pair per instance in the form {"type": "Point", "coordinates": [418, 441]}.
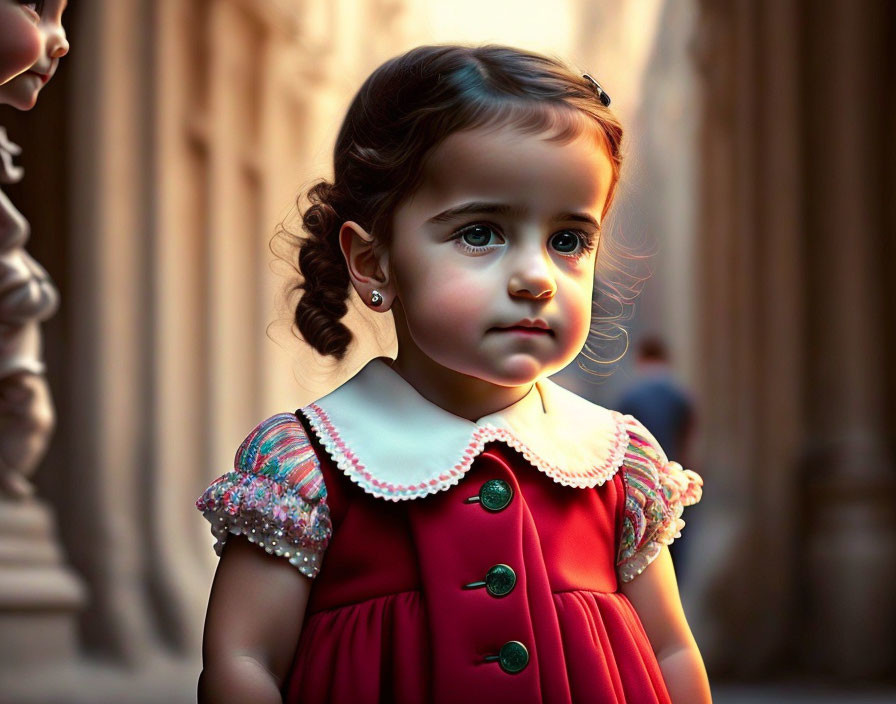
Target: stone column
{"type": "Point", "coordinates": [794, 201]}
{"type": "Point", "coordinates": [850, 551]}
{"type": "Point", "coordinates": [108, 461]}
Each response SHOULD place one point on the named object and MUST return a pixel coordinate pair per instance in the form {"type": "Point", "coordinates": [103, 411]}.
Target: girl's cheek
{"type": "Point", "coordinates": [460, 295]}
{"type": "Point", "coordinates": [446, 305]}
{"type": "Point", "coordinates": [20, 44]}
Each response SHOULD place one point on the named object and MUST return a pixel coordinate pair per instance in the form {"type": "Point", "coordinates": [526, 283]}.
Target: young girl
{"type": "Point", "coordinates": [452, 526]}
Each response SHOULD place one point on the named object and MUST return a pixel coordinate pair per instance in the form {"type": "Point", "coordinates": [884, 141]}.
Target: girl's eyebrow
{"type": "Point", "coordinates": [483, 207]}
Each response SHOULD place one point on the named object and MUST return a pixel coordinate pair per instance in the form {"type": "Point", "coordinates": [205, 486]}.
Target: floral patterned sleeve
{"type": "Point", "coordinates": [656, 492]}
{"type": "Point", "coordinates": [275, 495]}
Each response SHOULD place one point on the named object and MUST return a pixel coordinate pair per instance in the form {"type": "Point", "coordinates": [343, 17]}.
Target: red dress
{"type": "Point", "coordinates": [501, 586]}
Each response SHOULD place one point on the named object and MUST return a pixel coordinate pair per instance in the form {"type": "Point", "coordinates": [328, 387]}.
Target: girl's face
{"type": "Point", "coordinates": [502, 290]}
{"type": "Point", "coordinates": [32, 40]}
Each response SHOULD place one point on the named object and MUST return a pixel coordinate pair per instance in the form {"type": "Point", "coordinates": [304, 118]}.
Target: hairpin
{"type": "Point", "coordinates": [601, 93]}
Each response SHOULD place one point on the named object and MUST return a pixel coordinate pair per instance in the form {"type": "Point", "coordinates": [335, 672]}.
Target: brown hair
{"type": "Point", "coordinates": [404, 109]}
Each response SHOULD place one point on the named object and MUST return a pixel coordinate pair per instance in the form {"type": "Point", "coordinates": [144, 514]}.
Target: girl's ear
{"type": "Point", "coordinates": [367, 267]}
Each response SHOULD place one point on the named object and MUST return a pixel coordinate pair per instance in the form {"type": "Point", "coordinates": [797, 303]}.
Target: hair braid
{"type": "Point", "coordinates": [325, 276]}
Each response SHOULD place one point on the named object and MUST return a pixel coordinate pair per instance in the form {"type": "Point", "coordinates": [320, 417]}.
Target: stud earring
{"type": "Point", "coordinates": [376, 298]}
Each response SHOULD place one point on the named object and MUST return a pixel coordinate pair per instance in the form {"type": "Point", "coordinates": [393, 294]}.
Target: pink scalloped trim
{"type": "Point", "coordinates": [350, 464]}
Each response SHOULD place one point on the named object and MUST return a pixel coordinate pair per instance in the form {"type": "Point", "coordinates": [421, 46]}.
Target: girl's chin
{"type": "Point", "coordinates": [21, 97]}
{"type": "Point", "coordinates": [23, 105]}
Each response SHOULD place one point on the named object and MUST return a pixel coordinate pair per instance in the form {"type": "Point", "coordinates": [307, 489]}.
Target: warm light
{"type": "Point", "coordinates": [536, 25]}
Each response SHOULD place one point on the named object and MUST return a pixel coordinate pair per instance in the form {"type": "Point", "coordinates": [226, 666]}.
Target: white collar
{"type": "Point", "coordinates": [396, 445]}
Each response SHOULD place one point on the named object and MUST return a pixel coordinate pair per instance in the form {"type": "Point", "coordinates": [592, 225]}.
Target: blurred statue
{"type": "Point", "coordinates": [40, 597]}
{"type": "Point", "coordinates": [32, 40]}
{"type": "Point", "coordinates": [27, 297]}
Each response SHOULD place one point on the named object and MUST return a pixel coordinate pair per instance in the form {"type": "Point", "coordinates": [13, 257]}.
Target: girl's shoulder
{"type": "Point", "coordinates": [278, 448]}
{"type": "Point", "coordinates": [275, 495]}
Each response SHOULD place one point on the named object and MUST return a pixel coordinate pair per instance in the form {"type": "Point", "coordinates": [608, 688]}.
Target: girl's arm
{"type": "Point", "coordinates": [654, 594]}
{"type": "Point", "coordinates": [252, 627]}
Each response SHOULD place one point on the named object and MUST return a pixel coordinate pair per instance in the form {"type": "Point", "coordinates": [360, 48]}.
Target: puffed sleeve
{"type": "Point", "coordinates": [656, 492]}
{"type": "Point", "coordinates": [275, 495]}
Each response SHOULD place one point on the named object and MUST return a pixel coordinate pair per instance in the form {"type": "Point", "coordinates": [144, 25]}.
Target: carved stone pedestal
{"type": "Point", "coordinates": [850, 563]}
{"type": "Point", "coordinates": [40, 597]}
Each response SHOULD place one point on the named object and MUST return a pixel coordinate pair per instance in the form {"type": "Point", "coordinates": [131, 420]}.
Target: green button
{"type": "Point", "coordinates": [500, 580]}
{"type": "Point", "coordinates": [495, 494]}
{"type": "Point", "coordinates": [513, 656]}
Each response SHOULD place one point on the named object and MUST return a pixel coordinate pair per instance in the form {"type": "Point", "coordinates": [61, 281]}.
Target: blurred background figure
{"type": "Point", "coordinates": [659, 401]}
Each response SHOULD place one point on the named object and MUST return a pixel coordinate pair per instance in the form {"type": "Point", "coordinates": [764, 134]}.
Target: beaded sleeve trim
{"type": "Point", "coordinates": [657, 491]}
{"type": "Point", "coordinates": [275, 495]}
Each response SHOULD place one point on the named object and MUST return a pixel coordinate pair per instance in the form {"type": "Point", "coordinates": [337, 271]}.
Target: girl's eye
{"type": "Point", "coordinates": [472, 239]}
{"type": "Point", "coordinates": [573, 243]}
{"type": "Point", "coordinates": [480, 238]}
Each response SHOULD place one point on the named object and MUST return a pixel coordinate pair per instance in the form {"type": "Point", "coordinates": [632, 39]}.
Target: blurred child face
{"type": "Point", "coordinates": [34, 34]}
{"type": "Point", "coordinates": [19, 38]}
{"type": "Point", "coordinates": [475, 291]}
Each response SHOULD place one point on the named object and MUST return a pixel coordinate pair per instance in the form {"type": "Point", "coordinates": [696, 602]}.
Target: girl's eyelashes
{"type": "Point", "coordinates": [37, 7]}
{"type": "Point", "coordinates": [573, 243]}
{"type": "Point", "coordinates": [479, 238]}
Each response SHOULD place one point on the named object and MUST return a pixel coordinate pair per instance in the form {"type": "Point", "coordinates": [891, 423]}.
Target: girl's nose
{"type": "Point", "coordinates": [57, 43]}
{"type": "Point", "coordinates": [533, 279]}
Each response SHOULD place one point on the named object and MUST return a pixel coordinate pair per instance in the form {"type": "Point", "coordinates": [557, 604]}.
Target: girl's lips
{"type": "Point", "coordinates": [521, 330]}
{"type": "Point", "coordinates": [44, 77]}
